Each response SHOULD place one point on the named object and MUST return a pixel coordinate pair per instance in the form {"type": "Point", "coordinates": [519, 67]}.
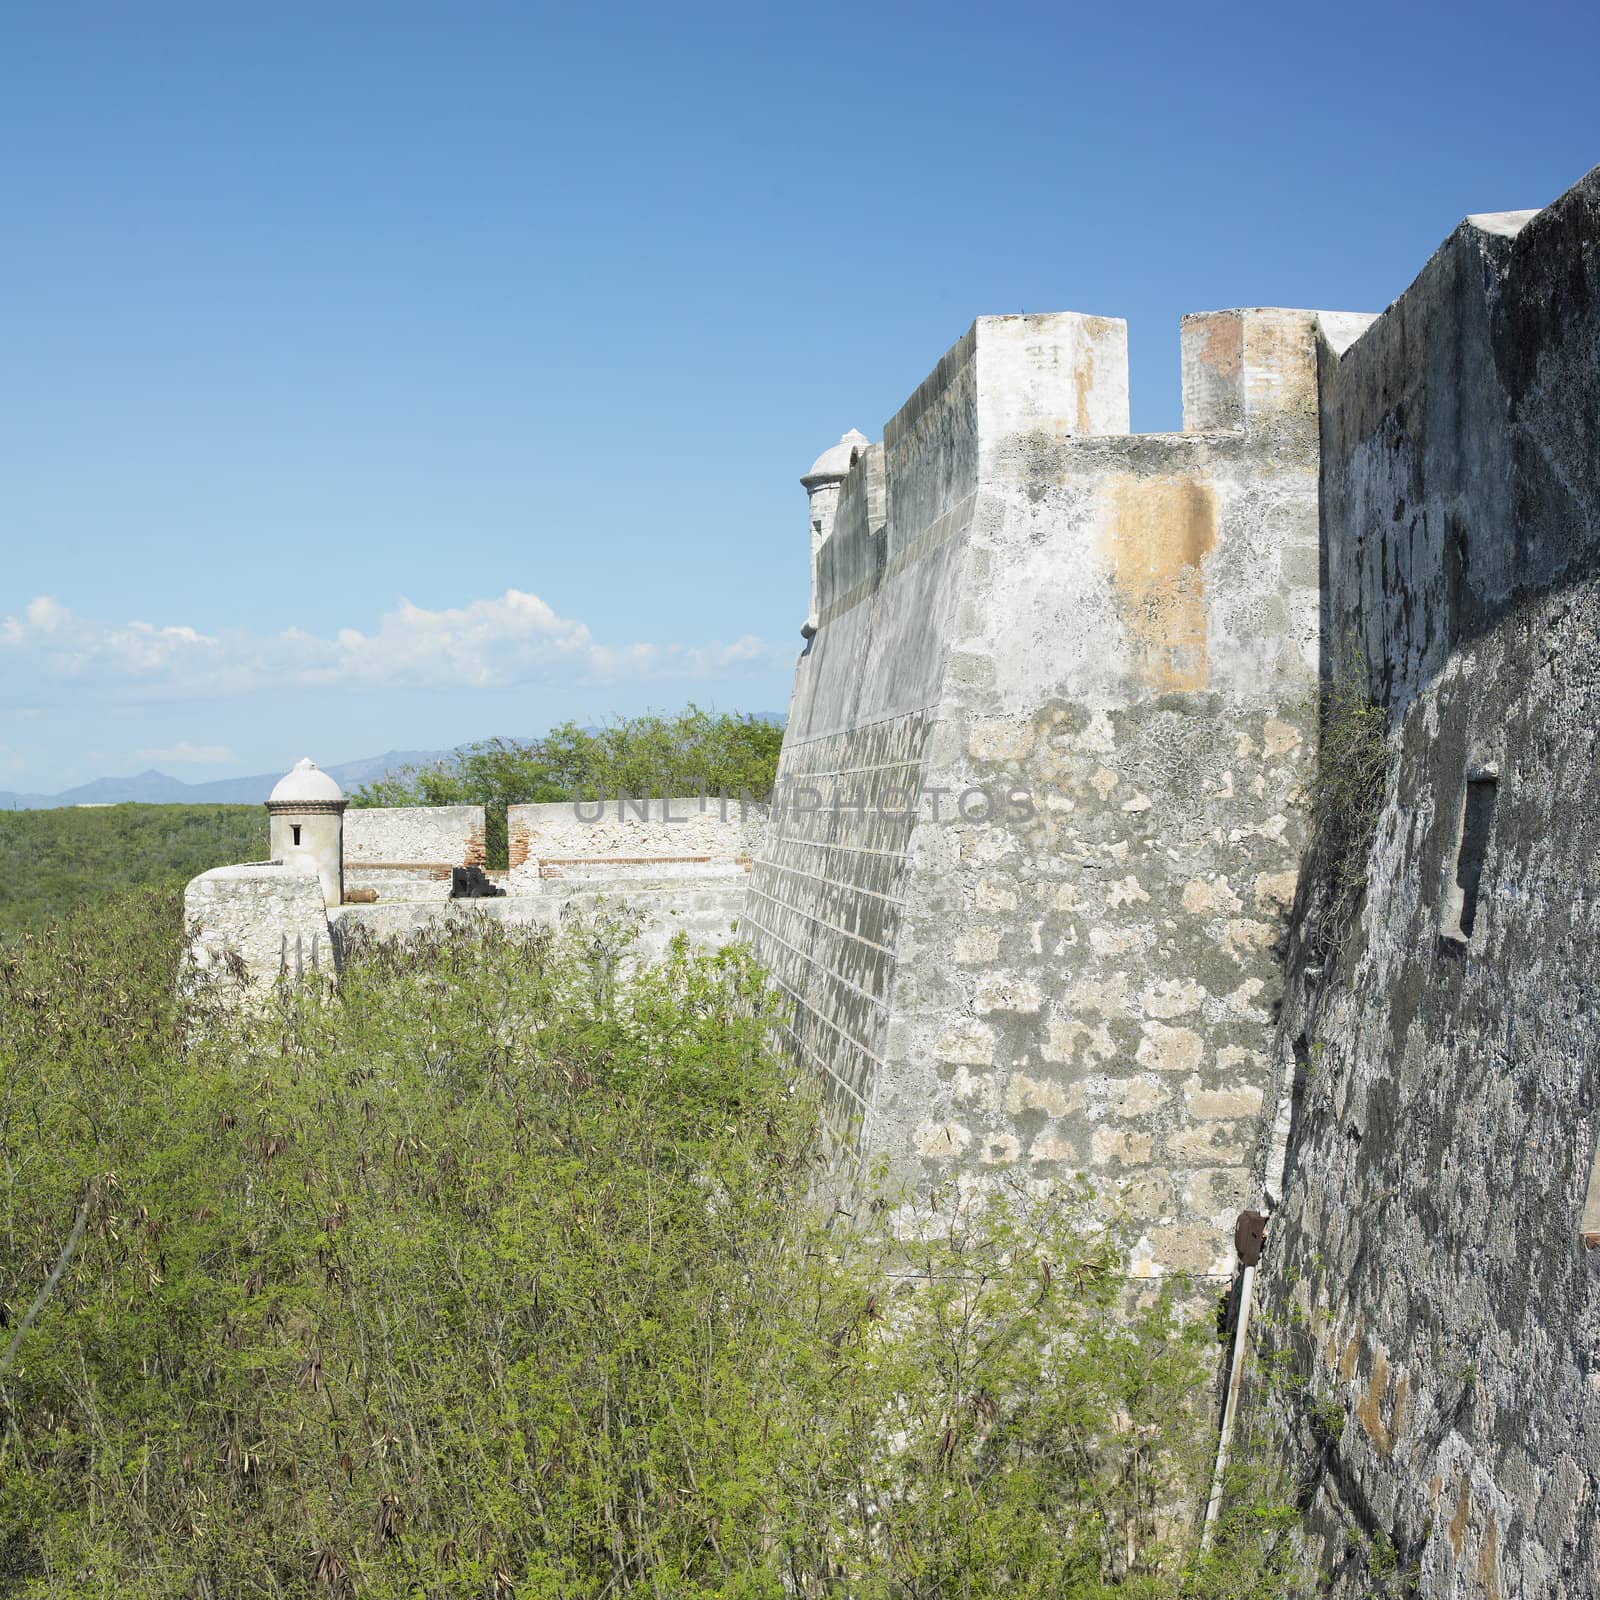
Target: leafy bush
{"type": "Point", "coordinates": [490, 1275]}
{"type": "Point", "coordinates": [55, 860]}
{"type": "Point", "coordinates": [685, 754]}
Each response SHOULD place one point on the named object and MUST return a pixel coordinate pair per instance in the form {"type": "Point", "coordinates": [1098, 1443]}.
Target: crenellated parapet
{"type": "Point", "coordinates": [1037, 830]}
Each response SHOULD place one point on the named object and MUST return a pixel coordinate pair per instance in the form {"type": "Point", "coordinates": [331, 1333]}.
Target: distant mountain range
{"type": "Point", "coordinates": [156, 788]}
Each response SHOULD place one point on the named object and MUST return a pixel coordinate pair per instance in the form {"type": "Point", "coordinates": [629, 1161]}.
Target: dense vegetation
{"type": "Point", "coordinates": [52, 861]}
{"type": "Point", "coordinates": [495, 1274]}
{"type": "Point", "coordinates": [688, 753]}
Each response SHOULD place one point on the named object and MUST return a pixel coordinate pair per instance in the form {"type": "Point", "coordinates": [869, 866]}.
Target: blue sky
{"type": "Point", "coordinates": [390, 375]}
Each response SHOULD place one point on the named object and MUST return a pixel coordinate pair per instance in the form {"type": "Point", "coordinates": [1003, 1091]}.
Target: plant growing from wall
{"type": "Point", "coordinates": [1346, 789]}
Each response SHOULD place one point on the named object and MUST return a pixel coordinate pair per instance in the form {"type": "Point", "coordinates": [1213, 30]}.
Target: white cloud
{"type": "Point", "coordinates": [512, 639]}
{"type": "Point", "coordinates": [185, 754]}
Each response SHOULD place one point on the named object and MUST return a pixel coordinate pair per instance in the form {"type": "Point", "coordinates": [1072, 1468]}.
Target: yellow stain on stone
{"type": "Point", "coordinates": [1097, 329]}
{"type": "Point", "coordinates": [1489, 1562]}
{"type": "Point", "coordinates": [1456, 1531]}
{"type": "Point", "coordinates": [1155, 532]}
{"type": "Point", "coordinates": [1369, 1409]}
{"type": "Point", "coordinates": [1223, 350]}
{"type": "Point", "coordinates": [1352, 1354]}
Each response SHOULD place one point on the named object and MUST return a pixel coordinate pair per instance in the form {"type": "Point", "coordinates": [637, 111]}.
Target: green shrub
{"type": "Point", "coordinates": [492, 1275]}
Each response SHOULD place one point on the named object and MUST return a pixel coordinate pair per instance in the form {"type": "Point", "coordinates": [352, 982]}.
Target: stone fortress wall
{"type": "Point", "coordinates": [702, 835]}
{"type": "Point", "coordinates": [408, 851]}
{"type": "Point", "coordinates": [1061, 681]}
{"type": "Point", "coordinates": [1435, 1170]}
{"type": "Point", "coordinates": [1140, 977]}
{"type": "Point", "coordinates": [266, 918]}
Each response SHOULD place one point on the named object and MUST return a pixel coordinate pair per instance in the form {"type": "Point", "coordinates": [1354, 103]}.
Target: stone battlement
{"type": "Point", "coordinates": [1020, 597]}
{"type": "Point", "coordinates": [1100, 654]}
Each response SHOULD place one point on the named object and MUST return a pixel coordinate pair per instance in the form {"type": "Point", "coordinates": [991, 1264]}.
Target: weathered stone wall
{"type": "Point", "coordinates": [1124, 631]}
{"type": "Point", "coordinates": [407, 852]}
{"type": "Point", "coordinates": [271, 919]}
{"type": "Point", "coordinates": [1088, 983]}
{"type": "Point", "coordinates": [694, 831]}
{"type": "Point", "coordinates": [706, 910]}
{"type": "Point", "coordinates": [680, 867]}
{"type": "Point", "coordinates": [1425, 1265]}
{"type": "Point", "coordinates": [828, 889]}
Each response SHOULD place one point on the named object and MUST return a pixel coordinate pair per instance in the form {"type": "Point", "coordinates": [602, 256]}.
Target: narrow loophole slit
{"type": "Point", "coordinates": [1477, 821]}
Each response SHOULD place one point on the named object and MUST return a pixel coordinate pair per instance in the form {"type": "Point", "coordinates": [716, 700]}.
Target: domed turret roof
{"type": "Point", "coordinates": [837, 460]}
{"type": "Point", "coordinates": [308, 782]}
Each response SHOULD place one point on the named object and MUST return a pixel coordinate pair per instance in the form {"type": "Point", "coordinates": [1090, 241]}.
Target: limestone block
{"type": "Point", "coordinates": [1025, 1093]}
{"type": "Point", "coordinates": [1056, 1144]}
{"type": "Point", "coordinates": [1236, 1100]}
{"type": "Point", "coordinates": [971, 1045]}
{"type": "Point", "coordinates": [1210, 898]}
{"type": "Point", "coordinates": [1067, 1040]}
{"type": "Point", "coordinates": [999, 991]}
{"type": "Point", "coordinates": [1193, 1247]}
{"type": "Point", "coordinates": [943, 1141]}
{"type": "Point", "coordinates": [1001, 1149]}
{"type": "Point", "coordinates": [1168, 1049]}
{"type": "Point", "coordinates": [1113, 1147]}
{"type": "Point", "coordinates": [1136, 1097]}
{"type": "Point", "coordinates": [1172, 997]}
{"type": "Point", "coordinates": [978, 946]}
{"type": "Point", "coordinates": [1274, 891]}
{"type": "Point", "coordinates": [1217, 1191]}
{"type": "Point", "coordinates": [995, 895]}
